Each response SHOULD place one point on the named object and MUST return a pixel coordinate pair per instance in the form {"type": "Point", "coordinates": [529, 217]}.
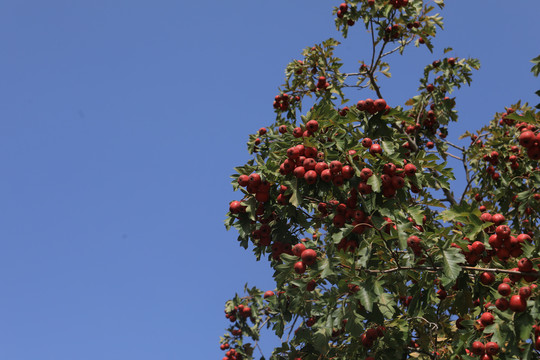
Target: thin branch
{"type": "Point", "coordinates": [292, 327]}
{"type": "Point", "coordinates": [453, 156]}
{"type": "Point", "coordinates": [453, 145]}
{"type": "Point", "coordinates": [401, 46]}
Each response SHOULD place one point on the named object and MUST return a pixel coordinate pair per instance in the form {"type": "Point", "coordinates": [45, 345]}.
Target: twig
{"type": "Point", "coordinates": [402, 45]}
{"type": "Point", "coordinates": [453, 145]}
{"type": "Point", "coordinates": [454, 156]}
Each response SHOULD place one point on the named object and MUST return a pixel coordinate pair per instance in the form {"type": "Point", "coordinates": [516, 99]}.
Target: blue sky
{"type": "Point", "coordinates": [120, 124]}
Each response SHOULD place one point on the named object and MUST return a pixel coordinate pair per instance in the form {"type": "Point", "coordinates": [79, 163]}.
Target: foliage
{"type": "Point", "coordinates": [374, 255]}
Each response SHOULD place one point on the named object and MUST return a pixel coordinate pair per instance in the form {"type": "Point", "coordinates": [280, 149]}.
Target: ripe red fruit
{"type": "Point", "coordinates": [430, 87]}
{"type": "Point", "coordinates": [410, 169]}
{"type": "Point", "coordinates": [310, 176]}
{"type": "Point", "coordinates": [522, 238]}
{"type": "Point", "coordinates": [478, 247]}
{"type": "Point", "coordinates": [298, 249]}
{"type": "Point", "coordinates": [309, 256]}
{"type": "Point", "coordinates": [525, 265]}
{"type": "Point", "coordinates": [413, 241]}
{"type": "Point", "coordinates": [335, 166]}
{"type": "Point", "coordinates": [236, 207]}
{"type": "Point", "coordinates": [486, 217]}
{"type": "Point", "coordinates": [441, 294]}
{"type": "Point", "coordinates": [254, 180]}
{"type": "Point", "coordinates": [477, 348]}
{"type": "Point", "coordinates": [300, 267]}
{"type": "Point", "coordinates": [262, 131]}
{"type": "Point", "coordinates": [487, 278]}
{"type": "Point", "coordinates": [375, 149]}
{"type": "Point", "coordinates": [504, 289]}
{"type": "Point", "coordinates": [268, 294]}
{"type": "Point", "coordinates": [312, 126]}
{"type": "Point", "coordinates": [487, 318]}
{"type": "Point", "coordinates": [503, 232]}
{"type": "Point", "coordinates": [283, 129]}
{"type": "Point", "coordinates": [320, 167]}
{"type": "Point", "coordinates": [347, 171]}
{"type": "Point", "coordinates": [299, 172]}
{"type": "Point", "coordinates": [367, 142]}
{"type": "Point", "coordinates": [380, 104]}
{"type": "Point", "coordinates": [430, 145]}
{"type": "Point", "coordinates": [517, 304]}
{"type": "Point", "coordinates": [526, 138]}
{"type": "Point", "coordinates": [326, 175]}
{"type": "Point", "coordinates": [498, 218]}
{"type": "Point", "coordinates": [502, 304]}
{"type": "Point", "coordinates": [243, 180]}
{"type": "Point", "coordinates": [525, 292]}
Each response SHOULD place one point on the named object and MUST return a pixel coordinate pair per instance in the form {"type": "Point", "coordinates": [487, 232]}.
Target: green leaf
{"type": "Point", "coordinates": [536, 68]}
{"type": "Point", "coordinates": [528, 117]}
{"type": "Point", "coordinates": [320, 339]}
{"type": "Point", "coordinates": [365, 299]}
{"type": "Point", "coordinates": [388, 147]}
{"type": "Point", "coordinates": [295, 197]}
{"type": "Point", "coordinates": [417, 213]}
{"type": "Point", "coordinates": [456, 213]}
{"type": "Point", "coordinates": [451, 259]}
{"type": "Point", "coordinates": [375, 183]}
{"type": "Point", "coordinates": [403, 230]}
{"type": "Point", "coordinates": [387, 305]}
{"type": "Point", "coordinates": [523, 323]}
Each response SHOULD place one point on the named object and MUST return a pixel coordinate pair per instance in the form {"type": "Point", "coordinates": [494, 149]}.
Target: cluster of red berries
{"type": "Point", "coordinates": [518, 301]}
{"type": "Point", "coordinates": [308, 130]}
{"type": "Point", "coordinates": [537, 336]}
{"type": "Point", "coordinates": [242, 311]}
{"type": "Point", "coordinates": [231, 354]}
{"type": "Point", "coordinates": [505, 120]}
{"type": "Point", "coordinates": [415, 24]}
{"type": "Point", "coordinates": [415, 243]}
{"type": "Point", "coordinates": [530, 141]}
{"type": "Point", "coordinates": [393, 178]}
{"type": "Point", "coordinates": [368, 338]}
{"type": "Point", "coordinates": [322, 84]}
{"type": "Point", "coordinates": [282, 101]}
{"type": "Point", "coordinates": [493, 160]}
{"type": "Point", "coordinates": [503, 244]}
{"type": "Point", "coordinates": [372, 106]}
{"type": "Point", "coordinates": [398, 3]}
{"type": "Point", "coordinates": [392, 32]}
{"type": "Point", "coordinates": [343, 8]}
{"type": "Point", "coordinates": [346, 213]}
{"type": "Point", "coordinates": [255, 185]}
{"type": "Point", "coordinates": [485, 351]}
{"type": "Point", "coordinates": [308, 257]}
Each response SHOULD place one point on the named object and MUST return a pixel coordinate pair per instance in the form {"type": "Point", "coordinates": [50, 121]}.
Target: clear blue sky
{"type": "Point", "coordinates": [120, 124]}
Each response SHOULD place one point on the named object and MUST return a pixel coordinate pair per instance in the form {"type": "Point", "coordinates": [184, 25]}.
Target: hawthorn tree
{"type": "Point", "coordinates": [375, 257]}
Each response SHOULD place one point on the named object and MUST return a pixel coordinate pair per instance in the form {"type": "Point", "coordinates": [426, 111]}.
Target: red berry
{"type": "Point", "coordinates": [300, 267]}
{"type": "Point", "coordinates": [517, 304]}
{"type": "Point", "coordinates": [477, 348]}
{"type": "Point", "coordinates": [487, 318]}
{"type": "Point", "coordinates": [487, 278]}
{"type": "Point", "coordinates": [309, 256]}
{"type": "Point", "coordinates": [375, 149]}
{"type": "Point", "coordinates": [504, 289]}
